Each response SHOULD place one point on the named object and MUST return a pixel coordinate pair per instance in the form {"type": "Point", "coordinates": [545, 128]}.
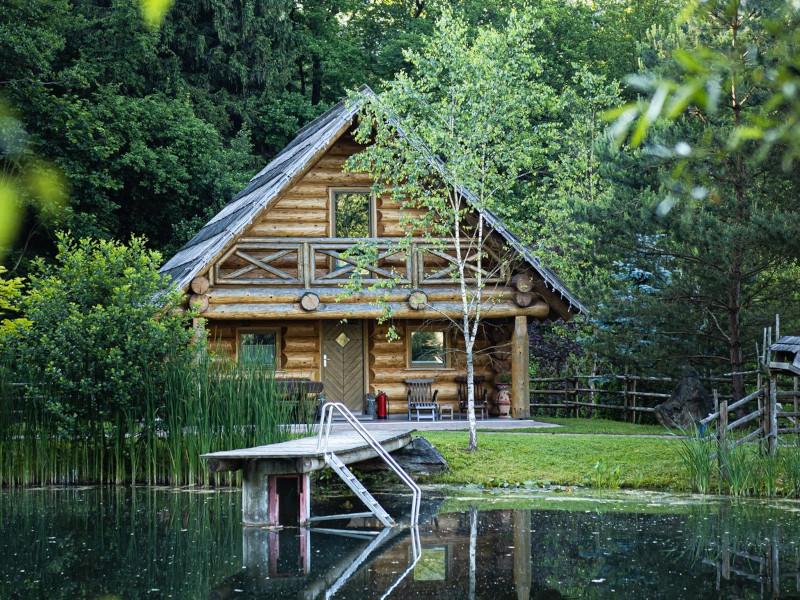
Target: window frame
{"type": "Point", "coordinates": [373, 210]}
{"type": "Point", "coordinates": [446, 365]}
{"type": "Point", "coordinates": [262, 330]}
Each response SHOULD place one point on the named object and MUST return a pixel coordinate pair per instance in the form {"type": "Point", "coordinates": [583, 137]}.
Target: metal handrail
{"type": "Point", "coordinates": [416, 550]}
{"type": "Point", "coordinates": [325, 423]}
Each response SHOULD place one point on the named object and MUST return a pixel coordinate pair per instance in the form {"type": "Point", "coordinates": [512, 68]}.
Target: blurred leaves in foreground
{"type": "Point", "coordinates": [734, 57]}
{"type": "Point", "coordinates": [154, 11]}
{"type": "Point", "coordinates": [25, 180]}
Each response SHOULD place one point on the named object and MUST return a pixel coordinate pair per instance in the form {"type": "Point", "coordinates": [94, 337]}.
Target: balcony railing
{"type": "Point", "coordinates": [324, 262]}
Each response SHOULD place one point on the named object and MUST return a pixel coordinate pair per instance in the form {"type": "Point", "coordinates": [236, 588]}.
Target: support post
{"type": "Point", "coordinates": [796, 413]}
{"type": "Point", "coordinates": [301, 499]}
{"type": "Point", "coordinates": [520, 382]}
{"type": "Point", "coordinates": [261, 498]}
{"type": "Point", "coordinates": [255, 502]}
{"type": "Point", "coordinates": [521, 520]}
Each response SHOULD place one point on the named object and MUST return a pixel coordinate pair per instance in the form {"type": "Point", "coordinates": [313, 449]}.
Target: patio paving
{"type": "Point", "coordinates": [454, 425]}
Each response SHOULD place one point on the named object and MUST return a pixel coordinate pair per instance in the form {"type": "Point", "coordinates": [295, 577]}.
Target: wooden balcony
{"type": "Point", "coordinates": [324, 262]}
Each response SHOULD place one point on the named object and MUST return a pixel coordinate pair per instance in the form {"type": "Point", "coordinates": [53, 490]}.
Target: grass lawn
{"type": "Point", "coordinates": [593, 460]}
{"type": "Point", "coordinates": [572, 425]}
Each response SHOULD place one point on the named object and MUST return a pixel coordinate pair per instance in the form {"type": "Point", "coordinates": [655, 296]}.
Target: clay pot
{"type": "Point", "coordinates": [503, 399]}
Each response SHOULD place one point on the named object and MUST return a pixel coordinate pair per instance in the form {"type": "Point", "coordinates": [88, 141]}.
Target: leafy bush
{"type": "Point", "coordinates": [102, 322]}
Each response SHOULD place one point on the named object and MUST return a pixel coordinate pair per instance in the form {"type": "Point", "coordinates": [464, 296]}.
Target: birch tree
{"type": "Point", "coordinates": [451, 140]}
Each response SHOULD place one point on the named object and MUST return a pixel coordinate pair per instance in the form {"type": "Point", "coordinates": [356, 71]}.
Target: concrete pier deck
{"type": "Point", "coordinates": [301, 455]}
{"type": "Point", "coordinates": [276, 487]}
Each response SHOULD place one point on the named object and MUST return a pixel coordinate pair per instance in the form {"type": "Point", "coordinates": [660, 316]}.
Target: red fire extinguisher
{"type": "Point", "coordinates": [382, 404]}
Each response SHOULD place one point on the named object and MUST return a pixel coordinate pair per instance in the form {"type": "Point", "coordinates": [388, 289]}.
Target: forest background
{"type": "Point", "coordinates": [684, 245]}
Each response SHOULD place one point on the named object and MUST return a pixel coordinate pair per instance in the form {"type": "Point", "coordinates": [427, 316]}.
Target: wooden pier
{"type": "Point", "coordinates": [276, 488]}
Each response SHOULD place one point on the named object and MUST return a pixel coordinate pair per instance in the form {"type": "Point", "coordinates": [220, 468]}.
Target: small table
{"type": "Point", "coordinates": [446, 410]}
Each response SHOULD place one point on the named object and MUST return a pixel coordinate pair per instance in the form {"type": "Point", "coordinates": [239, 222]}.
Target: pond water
{"type": "Point", "coordinates": [160, 543]}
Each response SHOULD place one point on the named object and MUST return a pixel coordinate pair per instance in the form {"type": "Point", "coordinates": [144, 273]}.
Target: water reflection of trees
{"type": "Point", "coordinates": [113, 541]}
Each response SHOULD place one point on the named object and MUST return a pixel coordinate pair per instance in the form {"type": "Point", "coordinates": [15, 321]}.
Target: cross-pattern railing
{"type": "Point", "coordinates": [320, 262]}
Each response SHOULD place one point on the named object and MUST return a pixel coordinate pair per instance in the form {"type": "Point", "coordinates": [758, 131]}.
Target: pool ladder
{"type": "Point", "coordinates": [335, 463]}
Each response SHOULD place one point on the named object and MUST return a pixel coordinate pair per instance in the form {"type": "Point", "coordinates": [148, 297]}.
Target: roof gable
{"type": "Point", "coordinates": [277, 176]}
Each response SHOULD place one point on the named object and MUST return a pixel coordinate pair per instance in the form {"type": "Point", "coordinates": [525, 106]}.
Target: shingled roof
{"type": "Point", "coordinates": [280, 174]}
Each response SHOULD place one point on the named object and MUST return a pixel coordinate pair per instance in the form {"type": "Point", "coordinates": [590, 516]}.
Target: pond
{"type": "Point", "coordinates": [162, 543]}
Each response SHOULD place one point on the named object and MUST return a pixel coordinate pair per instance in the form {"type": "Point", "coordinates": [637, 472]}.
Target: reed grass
{"type": "Point", "coordinates": [740, 470]}
{"type": "Point", "coordinates": [186, 409]}
{"type": "Point", "coordinates": [697, 453]}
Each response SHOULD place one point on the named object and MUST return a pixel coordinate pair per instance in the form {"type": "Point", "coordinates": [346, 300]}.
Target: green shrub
{"type": "Point", "coordinates": [102, 322]}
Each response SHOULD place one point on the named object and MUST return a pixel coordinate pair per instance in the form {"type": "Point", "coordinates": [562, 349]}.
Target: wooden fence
{"type": "Point", "coordinates": [761, 567]}
{"type": "Point", "coordinates": [765, 414]}
{"type": "Point", "coordinates": [770, 411]}
{"type": "Point", "coordinates": [626, 395]}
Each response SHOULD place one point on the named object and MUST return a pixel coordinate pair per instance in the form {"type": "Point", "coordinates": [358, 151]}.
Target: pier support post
{"type": "Point", "coordinates": [255, 505]}
{"type": "Point", "coordinates": [273, 500]}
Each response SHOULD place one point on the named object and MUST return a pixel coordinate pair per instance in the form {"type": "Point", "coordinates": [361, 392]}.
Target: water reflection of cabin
{"type": "Point", "coordinates": [266, 273]}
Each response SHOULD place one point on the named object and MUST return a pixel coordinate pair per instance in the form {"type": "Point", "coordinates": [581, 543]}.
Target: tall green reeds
{"type": "Point", "coordinates": [697, 453]}
{"type": "Point", "coordinates": [739, 470]}
{"type": "Point", "coordinates": [187, 409]}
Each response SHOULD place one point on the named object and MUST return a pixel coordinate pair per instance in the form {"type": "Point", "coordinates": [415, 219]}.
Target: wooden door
{"type": "Point", "coordinates": [343, 363]}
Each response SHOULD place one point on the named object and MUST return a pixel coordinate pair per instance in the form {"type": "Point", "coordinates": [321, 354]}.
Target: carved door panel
{"type": "Point", "coordinates": [343, 363]}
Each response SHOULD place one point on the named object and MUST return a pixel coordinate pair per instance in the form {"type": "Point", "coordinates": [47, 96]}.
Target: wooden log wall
{"type": "Point", "coordinates": [299, 353]}
{"type": "Point", "coordinates": [387, 360]}
{"type": "Point", "coordinates": [304, 210]}
{"type": "Point", "coordinates": [388, 366]}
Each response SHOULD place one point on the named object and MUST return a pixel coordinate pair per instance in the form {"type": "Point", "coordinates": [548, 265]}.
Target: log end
{"type": "Point", "coordinates": [309, 301]}
{"type": "Point", "coordinates": [200, 285]}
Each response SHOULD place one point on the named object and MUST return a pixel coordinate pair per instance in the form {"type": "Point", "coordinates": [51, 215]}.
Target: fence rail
{"type": "Point", "coordinates": [635, 395]}
{"type": "Point", "coordinates": [763, 414]}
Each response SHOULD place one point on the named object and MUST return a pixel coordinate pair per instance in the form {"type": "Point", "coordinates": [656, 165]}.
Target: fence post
{"type": "Point", "coordinates": [772, 439]}
{"type": "Point", "coordinates": [633, 400]}
{"type": "Point", "coordinates": [722, 430]}
{"type": "Point", "coordinates": [575, 397]}
{"type": "Point", "coordinates": [593, 395]}
{"type": "Point", "coordinates": [625, 394]}
{"type": "Point", "coordinates": [796, 413]}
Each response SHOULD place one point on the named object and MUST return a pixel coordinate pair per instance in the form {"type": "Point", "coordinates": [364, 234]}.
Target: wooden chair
{"type": "Point", "coordinates": [303, 394]}
{"type": "Point", "coordinates": [422, 399]}
{"type": "Point", "coordinates": [481, 395]}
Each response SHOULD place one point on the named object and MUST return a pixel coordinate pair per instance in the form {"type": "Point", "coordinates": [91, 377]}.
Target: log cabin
{"type": "Point", "coordinates": [265, 274]}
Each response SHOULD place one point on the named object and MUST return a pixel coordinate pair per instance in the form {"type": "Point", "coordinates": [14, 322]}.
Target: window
{"type": "Point", "coordinates": [432, 565]}
{"type": "Point", "coordinates": [352, 213]}
{"type": "Point", "coordinates": [428, 349]}
{"type": "Point", "coordinates": [259, 348]}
